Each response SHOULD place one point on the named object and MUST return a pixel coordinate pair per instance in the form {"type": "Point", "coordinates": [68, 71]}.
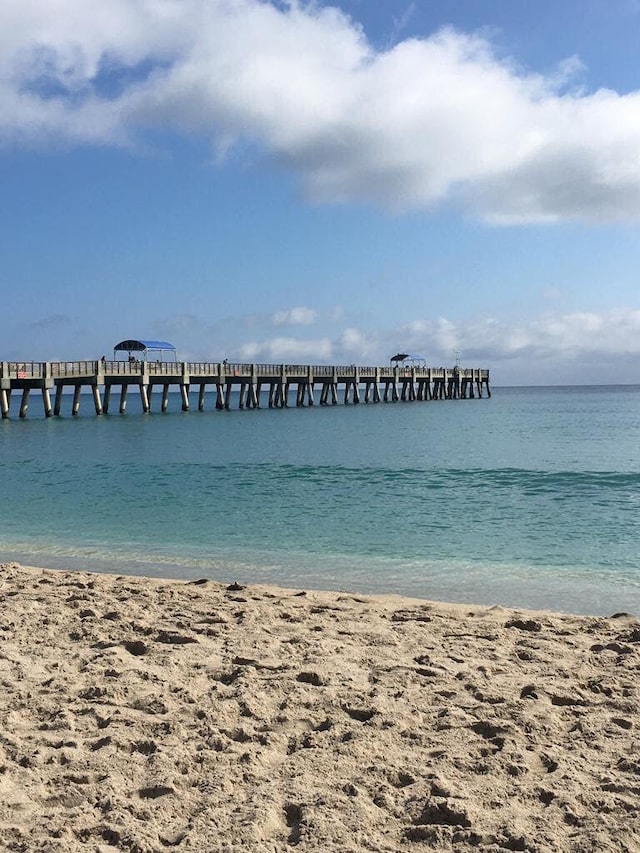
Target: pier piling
{"type": "Point", "coordinates": [97, 402]}
{"type": "Point", "coordinates": [75, 408]}
{"type": "Point", "coordinates": [57, 405]}
{"type": "Point", "coordinates": [46, 402]}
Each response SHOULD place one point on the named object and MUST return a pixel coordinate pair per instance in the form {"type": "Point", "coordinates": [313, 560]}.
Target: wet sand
{"type": "Point", "coordinates": [146, 715]}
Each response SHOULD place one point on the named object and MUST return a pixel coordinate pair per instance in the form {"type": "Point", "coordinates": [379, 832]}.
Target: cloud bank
{"type": "Point", "coordinates": [577, 347]}
{"type": "Point", "coordinates": [299, 316]}
{"type": "Point", "coordinates": [430, 121]}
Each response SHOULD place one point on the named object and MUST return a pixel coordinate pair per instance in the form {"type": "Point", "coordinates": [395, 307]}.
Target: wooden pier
{"type": "Point", "coordinates": [257, 384]}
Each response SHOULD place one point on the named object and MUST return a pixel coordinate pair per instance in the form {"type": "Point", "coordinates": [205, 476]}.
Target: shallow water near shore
{"type": "Point", "coordinates": [529, 498]}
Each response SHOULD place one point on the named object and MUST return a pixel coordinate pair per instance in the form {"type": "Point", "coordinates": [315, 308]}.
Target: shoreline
{"type": "Point", "coordinates": [142, 714]}
{"type": "Point", "coordinates": [579, 592]}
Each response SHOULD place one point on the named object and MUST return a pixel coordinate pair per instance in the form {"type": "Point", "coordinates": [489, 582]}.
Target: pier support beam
{"type": "Point", "coordinates": [24, 403]}
{"type": "Point", "coordinates": [75, 406]}
{"type": "Point", "coordinates": [97, 402]}
{"type": "Point", "coordinates": [165, 397]}
{"type": "Point", "coordinates": [201, 394]}
{"type": "Point", "coordinates": [184, 393]}
{"type": "Point", "coordinates": [376, 386]}
{"type": "Point", "coordinates": [57, 405]}
{"type": "Point", "coordinates": [46, 402]}
{"type": "Point", "coordinates": [309, 387]}
{"type": "Point", "coordinates": [144, 398]}
{"type": "Point", "coordinates": [123, 397]}
{"type": "Point", "coordinates": [5, 396]}
{"type": "Point", "coordinates": [371, 390]}
{"type": "Point", "coordinates": [219, 395]}
{"type": "Point", "coordinates": [107, 399]}
{"type": "Point", "coordinates": [351, 387]}
{"type": "Point", "coordinates": [277, 395]}
{"type": "Point", "coordinates": [426, 388]}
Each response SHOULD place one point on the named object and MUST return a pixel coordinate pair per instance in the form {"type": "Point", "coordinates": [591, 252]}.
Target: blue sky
{"type": "Point", "coordinates": [271, 181]}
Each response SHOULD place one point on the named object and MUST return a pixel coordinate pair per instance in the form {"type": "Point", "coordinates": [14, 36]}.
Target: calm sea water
{"type": "Point", "coordinates": [529, 498]}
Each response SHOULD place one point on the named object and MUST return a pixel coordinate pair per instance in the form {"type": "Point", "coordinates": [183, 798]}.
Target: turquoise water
{"type": "Point", "coordinates": [529, 498]}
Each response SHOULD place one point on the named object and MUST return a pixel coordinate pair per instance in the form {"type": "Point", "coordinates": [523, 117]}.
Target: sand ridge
{"type": "Point", "coordinates": [147, 715]}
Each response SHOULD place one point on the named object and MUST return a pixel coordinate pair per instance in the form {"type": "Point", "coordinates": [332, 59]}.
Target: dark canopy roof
{"type": "Point", "coordinates": [404, 356]}
{"type": "Point", "coordinates": [145, 347]}
{"type": "Point", "coordinates": [141, 346]}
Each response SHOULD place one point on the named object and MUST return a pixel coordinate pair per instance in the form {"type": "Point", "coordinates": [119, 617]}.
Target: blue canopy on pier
{"type": "Point", "coordinates": [411, 358]}
{"type": "Point", "coordinates": [145, 347]}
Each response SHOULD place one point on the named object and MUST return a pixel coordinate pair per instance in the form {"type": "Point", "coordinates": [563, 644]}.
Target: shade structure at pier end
{"type": "Point", "coordinates": [407, 359]}
{"type": "Point", "coordinates": [162, 350]}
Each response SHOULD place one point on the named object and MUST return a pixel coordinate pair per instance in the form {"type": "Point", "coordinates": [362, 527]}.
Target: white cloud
{"type": "Point", "coordinates": [430, 120]}
{"type": "Point", "coordinates": [556, 337]}
{"type": "Point", "coordinates": [587, 343]}
{"type": "Point", "coordinates": [355, 342]}
{"type": "Point", "coordinates": [289, 350]}
{"type": "Point", "coordinates": [299, 316]}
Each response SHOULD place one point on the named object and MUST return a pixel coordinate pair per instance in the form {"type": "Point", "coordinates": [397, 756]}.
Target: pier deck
{"type": "Point", "coordinates": [257, 384]}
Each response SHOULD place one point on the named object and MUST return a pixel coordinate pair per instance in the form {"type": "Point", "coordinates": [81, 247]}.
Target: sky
{"type": "Point", "coordinates": [270, 181]}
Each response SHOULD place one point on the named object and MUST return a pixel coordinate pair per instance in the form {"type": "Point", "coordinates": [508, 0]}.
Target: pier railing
{"type": "Point", "coordinates": [23, 370]}
{"type": "Point", "coordinates": [100, 368]}
{"type": "Point", "coordinates": [64, 369]}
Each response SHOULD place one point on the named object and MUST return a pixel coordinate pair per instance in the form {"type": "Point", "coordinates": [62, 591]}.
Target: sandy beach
{"type": "Point", "coordinates": [145, 715]}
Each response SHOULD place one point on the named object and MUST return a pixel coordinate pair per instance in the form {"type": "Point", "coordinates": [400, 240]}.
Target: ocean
{"type": "Point", "coordinates": [530, 498]}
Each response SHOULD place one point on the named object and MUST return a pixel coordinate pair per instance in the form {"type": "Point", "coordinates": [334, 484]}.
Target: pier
{"type": "Point", "coordinates": [274, 385]}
